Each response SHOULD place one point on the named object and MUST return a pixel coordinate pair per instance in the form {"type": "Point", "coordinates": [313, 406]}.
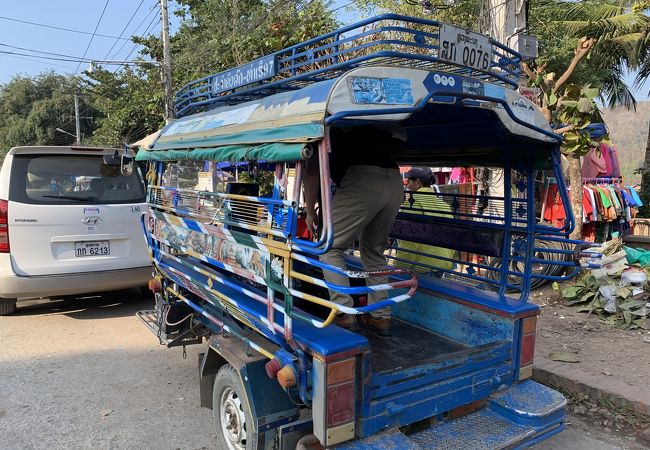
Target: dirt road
{"type": "Point", "coordinates": [84, 373]}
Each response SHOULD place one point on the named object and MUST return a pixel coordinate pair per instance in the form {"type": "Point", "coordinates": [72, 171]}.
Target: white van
{"type": "Point", "coordinates": [69, 224]}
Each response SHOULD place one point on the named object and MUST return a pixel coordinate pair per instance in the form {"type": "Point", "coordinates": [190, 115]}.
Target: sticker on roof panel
{"type": "Point", "coordinates": [380, 91]}
{"type": "Point", "coordinates": [473, 87]}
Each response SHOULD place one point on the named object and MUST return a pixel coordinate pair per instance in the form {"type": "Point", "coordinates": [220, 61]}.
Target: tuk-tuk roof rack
{"type": "Point", "coordinates": [388, 39]}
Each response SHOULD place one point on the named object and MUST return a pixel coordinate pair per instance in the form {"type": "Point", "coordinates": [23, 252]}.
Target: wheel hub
{"type": "Point", "coordinates": [233, 420]}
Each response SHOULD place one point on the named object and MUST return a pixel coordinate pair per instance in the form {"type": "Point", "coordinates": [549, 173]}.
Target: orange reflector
{"type": "Point", "coordinates": [286, 377]}
{"type": "Point", "coordinates": [529, 325]}
{"type": "Point", "coordinates": [340, 371]}
{"type": "Point", "coordinates": [155, 286]}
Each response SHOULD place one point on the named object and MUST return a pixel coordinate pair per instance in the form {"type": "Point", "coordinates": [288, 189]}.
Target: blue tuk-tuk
{"type": "Point", "coordinates": [235, 266]}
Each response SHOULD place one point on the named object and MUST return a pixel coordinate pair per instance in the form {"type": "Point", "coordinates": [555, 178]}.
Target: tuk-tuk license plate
{"type": "Point", "coordinates": [465, 47]}
{"type": "Point", "coordinates": [92, 248]}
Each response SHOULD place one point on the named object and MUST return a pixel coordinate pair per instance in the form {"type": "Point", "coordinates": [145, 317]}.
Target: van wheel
{"type": "Point", "coordinates": [7, 306]}
{"type": "Point", "coordinates": [231, 411]}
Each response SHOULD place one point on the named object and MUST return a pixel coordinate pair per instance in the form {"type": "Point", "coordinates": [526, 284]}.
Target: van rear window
{"type": "Point", "coordinates": [73, 179]}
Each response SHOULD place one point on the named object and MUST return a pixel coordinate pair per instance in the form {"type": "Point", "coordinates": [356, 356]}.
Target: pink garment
{"type": "Point", "coordinates": [456, 173]}
{"type": "Point", "coordinates": [593, 164]}
{"type": "Point", "coordinates": [616, 165]}
{"type": "Point", "coordinates": [604, 151]}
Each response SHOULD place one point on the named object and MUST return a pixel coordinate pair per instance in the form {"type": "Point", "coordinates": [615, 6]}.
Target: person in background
{"type": "Point", "coordinates": [419, 179]}
{"type": "Point", "coordinates": [367, 196]}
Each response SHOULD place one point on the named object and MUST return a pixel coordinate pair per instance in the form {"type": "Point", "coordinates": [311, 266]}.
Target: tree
{"type": "Point", "coordinates": [214, 35]}
{"type": "Point", "coordinates": [32, 108]}
{"type": "Point", "coordinates": [615, 35]}
{"type": "Point", "coordinates": [130, 105]}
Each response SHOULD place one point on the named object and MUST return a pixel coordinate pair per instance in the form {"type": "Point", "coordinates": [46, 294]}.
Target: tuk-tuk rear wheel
{"type": "Point", "coordinates": [232, 412]}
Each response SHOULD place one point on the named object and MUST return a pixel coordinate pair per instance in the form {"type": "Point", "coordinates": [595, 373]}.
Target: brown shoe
{"type": "Point", "coordinates": [346, 321]}
{"type": "Point", "coordinates": [380, 326]}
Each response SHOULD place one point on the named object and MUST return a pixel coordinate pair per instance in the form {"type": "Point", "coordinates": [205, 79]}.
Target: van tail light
{"type": "Point", "coordinates": [527, 347]}
{"type": "Point", "coordinates": [335, 400]}
{"type": "Point", "coordinates": [4, 226]}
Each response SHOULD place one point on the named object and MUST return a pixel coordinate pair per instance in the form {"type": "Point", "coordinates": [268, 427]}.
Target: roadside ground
{"type": "Point", "coordinates": [608, 382]}
{"type": "Point", "coordinates": [85, 373]}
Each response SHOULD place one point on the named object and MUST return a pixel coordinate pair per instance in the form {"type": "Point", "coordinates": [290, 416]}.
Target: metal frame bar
{"type": "Point", "coordinates": [199, 93]}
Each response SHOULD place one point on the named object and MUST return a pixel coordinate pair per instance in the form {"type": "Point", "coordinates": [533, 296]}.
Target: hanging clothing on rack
{"type": "Point", "coordinates": [615, 167]}
{"type": "Point", "coordinates": [593, 164]}
{"type": "Point", "coordinates": [587, 208]}
{"type": "Point", "coordinates": [611, 210]}
{"type": "Point", "coordinates": [554, 209]}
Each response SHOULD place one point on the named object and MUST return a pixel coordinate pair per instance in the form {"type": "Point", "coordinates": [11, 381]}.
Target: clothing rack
{"type": "Point", "coordinates": [603, 180]}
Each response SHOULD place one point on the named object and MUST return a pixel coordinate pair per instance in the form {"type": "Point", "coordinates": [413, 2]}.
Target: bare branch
{"type": "Point", "coordinates": [564, 129]}
{"type": "Point", "coordinates": [528, 71]}
{"type": "Point", "coordinates": [583, 47]}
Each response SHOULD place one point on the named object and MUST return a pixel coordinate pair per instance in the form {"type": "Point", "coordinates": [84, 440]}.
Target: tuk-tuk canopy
{"type": "Point", "coordinates": [280, 127]}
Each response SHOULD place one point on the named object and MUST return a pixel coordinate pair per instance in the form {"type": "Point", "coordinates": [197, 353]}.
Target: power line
{"type": "Point", "coordinates": [61, 28]}
{"type": "Point", "coordinates": [152, 9]}
{"type": "Point", "coordinates": [344, 6]}
{"type": "Point", "coordinates": [70, 59]}
{"type": "Point", "coordinates": [124, 29]}
{"type": "Point", "coordinates": [37, 59]}
{"type": "Point", "coordinates": [151, 24]}
{"type": "Point", "coordinates": [40, 51]}
{"type": "Point", "coordinates": [93, 36]}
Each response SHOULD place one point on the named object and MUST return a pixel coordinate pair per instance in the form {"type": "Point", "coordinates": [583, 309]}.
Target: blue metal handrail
{"type": "Point", "coordinates": [374, 41]}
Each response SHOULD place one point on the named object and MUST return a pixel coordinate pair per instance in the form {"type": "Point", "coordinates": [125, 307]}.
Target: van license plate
{"type": "Point", "coordinates": [92, 248]}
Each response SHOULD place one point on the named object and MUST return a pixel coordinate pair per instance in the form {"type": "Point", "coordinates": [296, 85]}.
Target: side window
{"type": "Point", "coordinates": [196, 175]}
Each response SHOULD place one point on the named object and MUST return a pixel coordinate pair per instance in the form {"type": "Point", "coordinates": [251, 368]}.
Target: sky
{"type": "Point", "coordinates": [26, 47]}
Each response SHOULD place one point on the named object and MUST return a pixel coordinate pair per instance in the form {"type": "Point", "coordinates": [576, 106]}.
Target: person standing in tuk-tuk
{"type": "Point", "coordinates": [367, 196]}
{"type": "Point", "coordinates": [420, 179]}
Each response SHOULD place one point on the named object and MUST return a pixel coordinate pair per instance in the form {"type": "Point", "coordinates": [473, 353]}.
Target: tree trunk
{"type": "Point", "coordinates": [644, 211]}
{"type": "Point", "coordinates": [575, 194]}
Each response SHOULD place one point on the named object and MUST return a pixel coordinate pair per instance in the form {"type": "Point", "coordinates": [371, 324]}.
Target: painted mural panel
{"type": "Point", "coordinates": [233, 254]}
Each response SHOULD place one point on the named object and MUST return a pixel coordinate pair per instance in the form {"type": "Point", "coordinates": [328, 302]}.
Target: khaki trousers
{"type": "Point", "coordinates": [364, 205]}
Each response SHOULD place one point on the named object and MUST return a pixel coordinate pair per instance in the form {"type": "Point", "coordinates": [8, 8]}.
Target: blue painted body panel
{"type": "Point", "coordinates": [468, 326]}
{"type": "Point", "coordinates": [325, 341]}
{"type": "Point", "coordinates": [416, 404]}
{"type": "Point", "coordinates": [487, 299]}
{"type": "Point", "coordinates": [488, 428]}
{"type": "Point", "coordinates": [388, 384]}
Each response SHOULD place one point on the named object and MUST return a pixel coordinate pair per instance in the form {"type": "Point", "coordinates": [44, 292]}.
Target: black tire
{"type": "Point", "coordinates": [146, 293]}
{"type": "Point", "coordinates": [7, 306]}
{"type": "Point", "coordinates": [231, 412]}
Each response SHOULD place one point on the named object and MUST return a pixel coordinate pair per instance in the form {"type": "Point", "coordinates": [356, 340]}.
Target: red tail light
{"type": "Point", "coordinates": [341, 377]}
{"type": "Point", "coordinates": [334, 404]}
{"type": "Point", "coordinates": [340, 404]}
{"type": "Point", "coordinates": [527, 347]}
{"type": "Point", "coordinates": [4, 226]}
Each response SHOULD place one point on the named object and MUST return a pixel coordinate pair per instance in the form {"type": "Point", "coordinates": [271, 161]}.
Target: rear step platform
{"type": "Point", "coordinates": [149, 318]}
{"type": "Point", "coordinates": [517, 417]}
{"type": "Point", "coordinates": [408, 346]}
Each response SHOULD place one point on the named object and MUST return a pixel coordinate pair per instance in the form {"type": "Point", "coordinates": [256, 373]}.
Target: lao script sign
{"type": "Point", "coordinates": [254, 71]}
{"type": "Point", "coordinates": [465, 48]}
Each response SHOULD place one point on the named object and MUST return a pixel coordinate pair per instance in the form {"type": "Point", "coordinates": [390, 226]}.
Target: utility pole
{"type": "Point", "coordinates": [166, 68]}
{"type": "Point", "coordinates": [507, 22]}
{"type": "Point", "coordinates": [76, 119]}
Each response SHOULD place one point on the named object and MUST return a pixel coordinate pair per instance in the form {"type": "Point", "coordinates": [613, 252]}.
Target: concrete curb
{"type": "Point", "coordinates": [598, 387]}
